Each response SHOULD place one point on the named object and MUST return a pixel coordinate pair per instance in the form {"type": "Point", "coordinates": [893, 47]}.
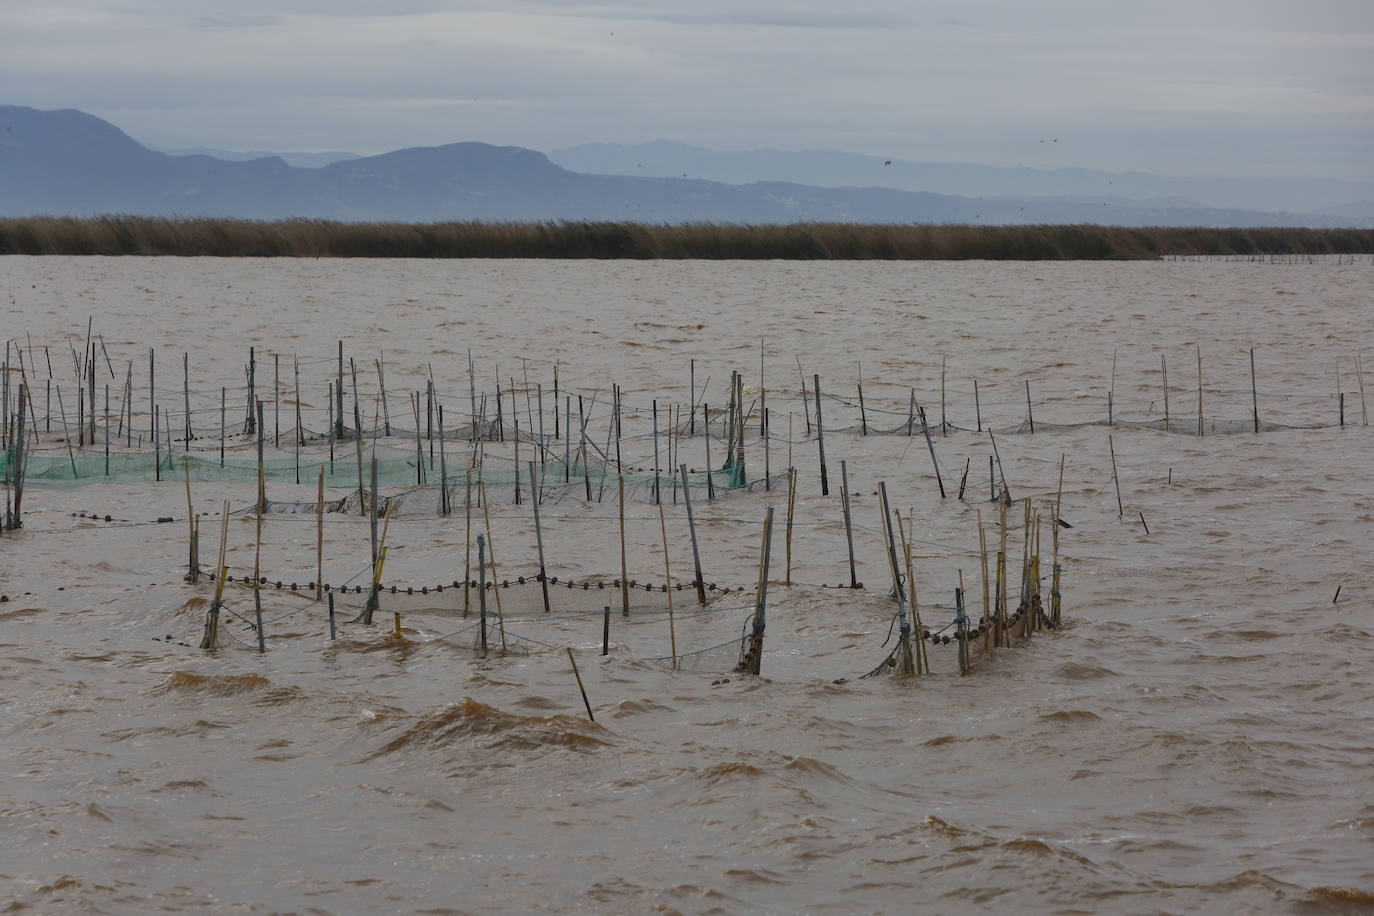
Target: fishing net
{"type": "Point", "coordinates": [518, 596]}
{"type": "Point", "coordinates": [718, 659]}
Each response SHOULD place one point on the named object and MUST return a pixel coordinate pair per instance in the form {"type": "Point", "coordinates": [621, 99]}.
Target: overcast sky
{"type": "Point", "coordinates": [1179, 87]}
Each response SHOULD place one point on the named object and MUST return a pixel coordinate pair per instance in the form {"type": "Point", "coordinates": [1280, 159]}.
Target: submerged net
{"type": "Point", "coordinates": [588, 480]}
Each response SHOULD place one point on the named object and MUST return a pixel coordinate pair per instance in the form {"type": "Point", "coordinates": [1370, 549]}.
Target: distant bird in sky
{"type": "Point", "coordinates": [888, 162]}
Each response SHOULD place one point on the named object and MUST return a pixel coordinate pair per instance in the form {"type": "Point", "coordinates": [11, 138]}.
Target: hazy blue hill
{"type": "Point", "coordinates": [71, 163]}
{"type": "Point", "coordinates": [833, 168]}
{"type": "Point", "coordinates": [299, 160]}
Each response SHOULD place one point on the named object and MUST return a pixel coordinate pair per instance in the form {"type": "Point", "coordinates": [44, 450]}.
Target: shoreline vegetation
{"type": "Point", "coordinates": [209, 237]}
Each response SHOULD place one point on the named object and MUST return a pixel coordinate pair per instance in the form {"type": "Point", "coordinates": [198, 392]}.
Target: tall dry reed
{"type": "Point", "coordinates": [137, 235]}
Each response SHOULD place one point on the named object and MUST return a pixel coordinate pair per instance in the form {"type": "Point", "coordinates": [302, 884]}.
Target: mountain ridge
{"type": "Point", "coordinates": [72, 163]}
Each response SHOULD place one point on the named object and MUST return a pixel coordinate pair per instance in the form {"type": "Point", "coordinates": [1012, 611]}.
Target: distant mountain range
{"type": "Point", "coordinates": [831, 168]}
{"type": "Point", "coordinates": [299, 160]}
{"type": "Point", "coordinates": [71, 163]}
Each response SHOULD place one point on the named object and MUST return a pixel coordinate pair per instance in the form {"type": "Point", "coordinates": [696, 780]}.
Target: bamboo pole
{"type": "Point", "coordinates": [624, 566]}
{"type": "Point", "coordinates": [944, 426]}
{"type": "Point", "coordinates": [300, 433]}
{"type": "Point", "coordinates": [193, 563]}
{"type": "Point", "coordinates": [257, 553]}
{"type": "Point", "coordinates": [820, 437]}
{"type": "Point", "coordinates": [1199, 390]}
{"type": "Point", "coordinates": [585, 702]}
{"type": "Point", "coordinates": [791, 511]}
{"type": "Point", "coordinates": [1001, 622]}
{"type": "Point", "coordinates": [467, 542]}
{"type": "Point", "coordinates": [1164, 371]}
{"type": "Point", "coordinates": [210, 639]}
{"type": "Point", "coordinates": [692, 398]}
{"type": "Point", "coordinates": [983, 563]}
{"type": "Point", "coordinates": [753, 657]}
{"type": "Point", "coordinates": [1359, 377]}
{"type": "Point", "coordinates": [692, 530]}
{"type": "Point", "coordinates": [1120, 511]}
{"type": "Point", "coordinates": [848, 523]}
{"type": "Point", "coordinates": [921, 659]}
{"type": "Point", "coordinates": [1254, 390]}
{"type": "Point", "coordinates": [907, 665]}
{"type": "Point", "coordinates": [186, 393]}
{"type": "Point", "coordinates": [319, 538]}
{"type": "Point", "coordinates": [381, 387]}
{"type": "Point", "coordinates": [482, 587]}
{"type": "Point", "coordinates": [930, 443]}
{"type": "Point", "coordinates": [863, 414]}
{"type": "Point", "coordinates": [668, 584]}
{"type": "Point", "coordinates": [539, 541]}
{"type": "Point", "coordinates": [491, 546]}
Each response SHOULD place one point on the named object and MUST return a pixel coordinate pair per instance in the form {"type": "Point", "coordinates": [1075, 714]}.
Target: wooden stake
{"type": "Point", "coordinates": [1254, 390]}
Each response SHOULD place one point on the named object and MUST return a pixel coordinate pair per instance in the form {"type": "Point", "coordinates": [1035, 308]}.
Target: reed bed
{"type": "Point", "coordinates": [205, 237]}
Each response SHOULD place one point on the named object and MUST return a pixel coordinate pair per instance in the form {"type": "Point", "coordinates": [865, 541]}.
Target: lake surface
{"type": "Point", "coordinates": [1198, 737]}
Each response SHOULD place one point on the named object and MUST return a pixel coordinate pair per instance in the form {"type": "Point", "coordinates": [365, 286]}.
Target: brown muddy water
{"type": "Point", "coordinates": [1198, 737]}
